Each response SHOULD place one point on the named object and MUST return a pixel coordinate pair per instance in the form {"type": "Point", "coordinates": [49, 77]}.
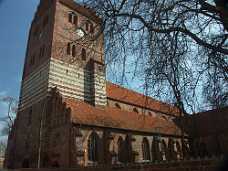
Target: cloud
{"type": "Point", "coordinates": [3, 93]}
{"type": "Point", "coordinates": [3, 105]}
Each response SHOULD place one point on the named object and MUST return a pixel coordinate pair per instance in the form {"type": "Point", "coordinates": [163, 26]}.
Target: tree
{"type": "Point", "coordinates": [178, 47]}
{"type": "Point", "coordinates": [2, 148]}
{"type": "Point", "coordinates": [8, 118]}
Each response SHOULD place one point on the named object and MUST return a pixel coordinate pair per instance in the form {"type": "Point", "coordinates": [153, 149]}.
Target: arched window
{"type": "Point", "coordinates": [128, 149]}
{"type": "Point", "coordinates": [178, 147]}
{"type": "Point", "coordinates": [146, 149]}
{"type": "Point", "coordinates": [73, 51]}
{"type": "Point", "coordinates": [135, 110]}
{"type": "Point", "coordinates": [87, 26]}
{"type": "Point", "coordinates": [83, 54]}
{"type": "Point", "coordinates": [163, 150]}
{"type": "Point", "coordinates": [156, 154]}
{"type": "Point", "coordinates": [91, 28]}
{"type": "Point", "coordinates": [186, 149]}
{"type": "Point", "coordinates": [70, 17]}
{"type": "Point", "coordinates": [75, 20]}
{"type": "Point", "coordinates": [68, 49]}
{"type": "Point", "coordinates": [93, 147]}
{"type": "Point", "coordinates": [120, 144]}
{"type": "Point", "coordinates": [117, 105]}
{"type": "Point", "coordinates": [171, 150]}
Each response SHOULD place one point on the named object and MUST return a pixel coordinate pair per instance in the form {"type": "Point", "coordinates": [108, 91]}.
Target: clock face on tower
{"type": "Point", "coordinates": [80, 32]}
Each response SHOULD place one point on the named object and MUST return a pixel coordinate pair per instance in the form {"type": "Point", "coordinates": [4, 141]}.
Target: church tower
{"type": "Point", "coordinates": [65, 50]}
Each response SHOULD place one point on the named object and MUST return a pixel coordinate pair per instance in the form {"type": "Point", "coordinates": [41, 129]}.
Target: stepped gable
{"type": "Point", "coordinates": [85, 114]}
{"type": "Point", "coordinates": [118, 93]}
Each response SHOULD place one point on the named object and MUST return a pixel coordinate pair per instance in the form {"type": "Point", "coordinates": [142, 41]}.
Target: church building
{"type": "Point", "coordinates": [69, 115]}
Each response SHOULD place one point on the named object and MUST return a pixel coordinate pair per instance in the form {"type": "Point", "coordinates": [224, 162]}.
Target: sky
{"type": "Point", "coordinates": [15, 20]}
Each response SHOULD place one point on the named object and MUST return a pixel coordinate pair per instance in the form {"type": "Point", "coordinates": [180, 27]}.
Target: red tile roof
{"type": "Point", "coordinates": [83, 113]}
{"type": "Point", "coordinates": [124, 95]}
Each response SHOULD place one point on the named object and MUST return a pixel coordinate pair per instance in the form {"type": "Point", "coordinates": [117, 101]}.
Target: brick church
{"type": "Point", "coordinates": [70, 116]}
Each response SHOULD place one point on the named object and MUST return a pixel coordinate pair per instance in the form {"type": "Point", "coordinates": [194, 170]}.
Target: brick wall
{"type": "Point", "coordinates": [196, 165]}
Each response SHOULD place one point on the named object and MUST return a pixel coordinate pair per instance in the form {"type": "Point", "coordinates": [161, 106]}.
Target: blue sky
{"type": "Point", "coordinates": [15, 19]}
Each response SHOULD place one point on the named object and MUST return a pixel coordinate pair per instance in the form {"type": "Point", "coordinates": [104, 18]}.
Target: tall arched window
{"type": "Point", "coordinates": [73, 51]}
{"type": "Point", "coordinates": [128, 147]}
{"type": "Point", "coordinates": [179, 152]}
{"type": "Point", "coordinates": [83, 54]}
{"type": "Point", "coordinates": [120, 144]}
{"type": "Point", "coordinates": [93, 147]}
{"type": "Point", "coordinates": [146, 149]}
{"type": "Point", "coordinates": [156, 154]}
{"type": "Point", "coordinates": [164, 150]}
{"type": "Point", "coordinates": [171, 150]}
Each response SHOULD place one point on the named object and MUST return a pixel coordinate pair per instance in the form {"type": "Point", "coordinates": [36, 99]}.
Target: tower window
{"type": "Point", "coordinates": [70, 17]}
{"type": "Point", "coordinates": [87, 26]}
{"type": "Point", "coordinates": [76, 20]}
{"type": "Point", "coordinates": [68, 49]}
{"type": "Point", "coordinates": [73, 18]}
{"type": "Point", "coordinates": [91, 28]}
{"type": "Point", "coordinates": [73, 51]}
{"type": "Point", "coordinates": [83, 54]}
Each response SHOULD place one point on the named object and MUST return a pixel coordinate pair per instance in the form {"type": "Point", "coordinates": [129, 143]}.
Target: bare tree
{"type": "Point", "coordinates": [178, 47]}
{"type": "Point", "coordinates": [3, 145]}
{"type": "Point", "coordinates": [8, 118]}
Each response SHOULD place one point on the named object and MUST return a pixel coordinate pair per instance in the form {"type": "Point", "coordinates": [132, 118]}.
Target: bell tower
{"type": "Point", "coordinates": [77, 63]}
{"type": "Point", "coordinates": [65, 50]}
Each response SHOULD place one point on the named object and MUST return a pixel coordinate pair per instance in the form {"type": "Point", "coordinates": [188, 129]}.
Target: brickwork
{"type": "Point", "coordinates": [204, 165]}
{"type": "Point", "coordinates": [69, 116]}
